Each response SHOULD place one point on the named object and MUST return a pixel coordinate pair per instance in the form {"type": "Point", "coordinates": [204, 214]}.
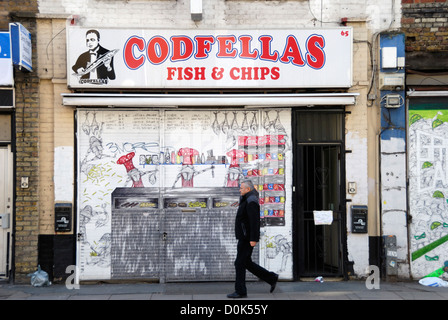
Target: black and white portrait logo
{"type": "Point", "coordinates": [95, 66]}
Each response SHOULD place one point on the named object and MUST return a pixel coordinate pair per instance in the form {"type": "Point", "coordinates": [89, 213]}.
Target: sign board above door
{"type": "Point", "coordinates": [135, 58]}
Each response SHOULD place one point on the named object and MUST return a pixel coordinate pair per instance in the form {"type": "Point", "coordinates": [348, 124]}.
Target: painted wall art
{"type": "Point", "coordinates": [428, 187]}
{"type": "Point", "coordinates": [153, 181]}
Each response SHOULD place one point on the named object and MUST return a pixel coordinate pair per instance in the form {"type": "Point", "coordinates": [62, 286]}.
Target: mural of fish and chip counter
{"type": "Point", "coordinates": [150, 178]}
{"type": "Point", "coordinates": [428, 186]}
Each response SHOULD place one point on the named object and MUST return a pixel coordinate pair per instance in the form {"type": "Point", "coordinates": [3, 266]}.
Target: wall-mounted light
{"type": "Point", "coordinates": [196, 10]}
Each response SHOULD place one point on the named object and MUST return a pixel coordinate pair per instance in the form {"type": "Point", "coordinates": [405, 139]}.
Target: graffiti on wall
{"type": "Point", "coordinates": [428, 190]}
{"type": "Point", "coordinates": [180, 150]}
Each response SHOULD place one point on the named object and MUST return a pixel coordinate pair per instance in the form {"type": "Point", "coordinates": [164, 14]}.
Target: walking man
{"type": "Point", "coordinates": [247, 231]}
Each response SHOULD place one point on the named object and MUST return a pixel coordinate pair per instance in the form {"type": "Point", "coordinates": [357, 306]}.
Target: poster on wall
{"type": "Point", "coordinates": [428, 186]}
{"type": "Point", "coordinates": [190, 155]}
{"type": "Point", "coordinates": [134, 58]}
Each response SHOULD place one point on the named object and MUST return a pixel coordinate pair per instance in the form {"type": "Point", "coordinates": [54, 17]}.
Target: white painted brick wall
{"type": "Point", "coordinates": [225, 13]}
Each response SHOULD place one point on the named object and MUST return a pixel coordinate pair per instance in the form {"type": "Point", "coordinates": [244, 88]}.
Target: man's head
{"type": "Point", "coordinates": [92, 39]}
{"type": "Point", "coordinates": [246, 186]}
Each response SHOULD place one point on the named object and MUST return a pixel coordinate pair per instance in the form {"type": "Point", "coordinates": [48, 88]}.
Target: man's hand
{"type": "Point", "coordinates": [107, 63]}
{"type": "Point", "coordinates": [253, 243]}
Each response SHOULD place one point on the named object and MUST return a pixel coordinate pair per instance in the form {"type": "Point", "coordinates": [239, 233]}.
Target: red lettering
{"type": "Point", "coordinates": [245, 48]}
{"type": "Point", "coordinates": [188, 73]}
{"type": "Point", "coordinates": [246, 73]}
{"type": "Point", "coordinates": [256, 73]}
{"type": "Point", "coordinates": [315, 57]}
{"type": "Point", "coordinates": [217, 73]}
{"type": "Point", "coordinates": [264, 72]}
{"type": "Point", "coordinates": [171, 72]}
{"type": "Point", "coordinates": [292, 52]}
{"type": "Point", "coordinates": [158, 50]}
{"type": "Point", "coordinates": [179, 73]}
{"type": "Point", "coordinates": [232, 73]}
{"type": "Point", "coordinates": [266, 49]}
{"type": "Point", "coordinates": [199, 73]}
{"type": "Point", "coordinates": [275, 74]}
{"type": "Point", "coordinates": [203, 46]}
{"type": "Point", "coordinates": [182, 48]}
{"type": "Point", "coordinates": [132, 62]}
{"type": "Point", "coordinates": [226, 49]}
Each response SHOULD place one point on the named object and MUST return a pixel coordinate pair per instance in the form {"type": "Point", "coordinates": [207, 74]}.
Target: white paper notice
{"type": "Point", "coordinates": [323, 217]}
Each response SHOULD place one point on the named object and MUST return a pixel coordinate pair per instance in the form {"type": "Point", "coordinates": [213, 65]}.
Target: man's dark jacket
{"type": "Point", "coordinates": [247, 221]}
{"type": "Point", "coordinates": [102, 73]}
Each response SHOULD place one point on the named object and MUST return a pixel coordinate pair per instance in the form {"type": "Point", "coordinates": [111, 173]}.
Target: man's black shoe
{"type": "Point", "coordinates": [236, 295]}
{"type": "Point", "coordinates": [274, 284]}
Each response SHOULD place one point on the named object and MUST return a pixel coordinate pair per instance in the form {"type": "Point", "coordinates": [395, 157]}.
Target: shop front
{"type": "Point", "coordinates": [168, 122]}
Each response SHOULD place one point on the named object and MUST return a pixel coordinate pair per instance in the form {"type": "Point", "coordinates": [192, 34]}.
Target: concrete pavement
{"type": "Point", "coordinates": [301, 290]}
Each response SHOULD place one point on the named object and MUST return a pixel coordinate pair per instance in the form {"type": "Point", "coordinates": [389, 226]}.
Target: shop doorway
{"type": "Point", "coordinates": [5, 210]}
{"type": "Point", "coordinates": [320, 186]}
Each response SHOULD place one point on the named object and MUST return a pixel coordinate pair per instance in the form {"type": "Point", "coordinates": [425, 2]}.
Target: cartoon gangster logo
{"type": "Point", "coordinates": [95, 66]}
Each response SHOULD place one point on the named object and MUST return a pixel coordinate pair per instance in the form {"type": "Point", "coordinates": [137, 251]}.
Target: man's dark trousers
{"type": "Point", "coordinates": [244, 261]}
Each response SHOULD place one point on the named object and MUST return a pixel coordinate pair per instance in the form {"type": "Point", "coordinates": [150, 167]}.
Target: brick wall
{"type": "Point", "coordinates": [26, 145]}
{"type": "Point", "coordinates": [425, 23]}
{"type": "Point", "coordinates": [27, 165]}
{"type": "Point", "coordinates": [225, 13]}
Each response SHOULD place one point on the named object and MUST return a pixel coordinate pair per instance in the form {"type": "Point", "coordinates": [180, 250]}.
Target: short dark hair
{"type": "Point", "coordinates": [248, 183]}
{"type": "Point", "coordinates": [95, 32]}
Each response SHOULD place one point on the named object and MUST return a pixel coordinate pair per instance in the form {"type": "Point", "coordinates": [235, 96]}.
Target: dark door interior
{"type": "Point", "coordinates": [320, 186]}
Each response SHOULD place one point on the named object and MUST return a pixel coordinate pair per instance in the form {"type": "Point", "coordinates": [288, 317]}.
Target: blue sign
{"type": "Point", "coordinates": [5, 46]}
{"type": "Point", "coordinates": [21, 46]}
{"type": "Point", "coordinates": [6, 74]}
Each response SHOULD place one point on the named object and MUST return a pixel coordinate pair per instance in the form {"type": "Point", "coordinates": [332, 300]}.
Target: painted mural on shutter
{"type": "Point", "coordinates": [150, 179]}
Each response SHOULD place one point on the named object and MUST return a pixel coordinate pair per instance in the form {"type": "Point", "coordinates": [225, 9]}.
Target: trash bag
{"type": "Point", "coordinates": [433, 282]}
{"type": "Point", "coordinates": [39, 278]}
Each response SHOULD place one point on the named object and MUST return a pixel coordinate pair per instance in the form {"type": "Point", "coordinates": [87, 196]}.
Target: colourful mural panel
{"type": "Point", "coordinates": [428, 186]}
{"type": "Point", "coordinates": [182, 153]}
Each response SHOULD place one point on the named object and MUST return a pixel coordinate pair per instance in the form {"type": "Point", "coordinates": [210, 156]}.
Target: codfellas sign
{"type": "Point", "coordinates": [180, 48]}
{"type": "Point", "coordinates": [209, 59]}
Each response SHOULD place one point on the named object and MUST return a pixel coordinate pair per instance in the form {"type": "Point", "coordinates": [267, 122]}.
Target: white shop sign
{"type": "Point", "coordinates": [135, 58]}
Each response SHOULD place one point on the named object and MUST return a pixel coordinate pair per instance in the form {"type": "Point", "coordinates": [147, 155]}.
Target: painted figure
{"type": "Point", "coordinates": [188, 172]}
{"type": "Point", "coordinates": [97, 63]}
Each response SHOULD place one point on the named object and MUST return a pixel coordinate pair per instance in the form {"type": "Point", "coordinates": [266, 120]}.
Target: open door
{"type": "Point", "coordinates": [320, 186]}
